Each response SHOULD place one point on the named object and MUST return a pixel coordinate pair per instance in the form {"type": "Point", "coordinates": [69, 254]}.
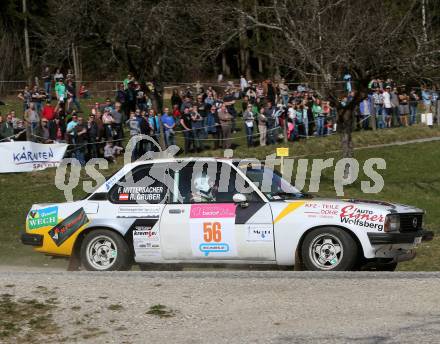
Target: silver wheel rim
{"type": "Point", "coordinates": [102, 253]}
{"type": "Point", "coordinates": [326, 251]}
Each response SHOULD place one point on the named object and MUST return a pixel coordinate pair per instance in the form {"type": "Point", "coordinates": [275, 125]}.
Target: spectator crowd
{"type": "Point", "coordinates": [206, 117]}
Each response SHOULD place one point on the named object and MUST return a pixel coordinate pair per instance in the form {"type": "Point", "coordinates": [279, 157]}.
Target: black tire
{"type": "Point", "coordinates": [107, 245]}
{"type": "Point", "coordinates": [319, 250]}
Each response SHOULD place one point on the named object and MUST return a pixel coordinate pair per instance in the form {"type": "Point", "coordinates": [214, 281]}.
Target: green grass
{"type": "Point", "coordinates": [25, 320]}
{"type": "Point", "coordinates": [412, 177]}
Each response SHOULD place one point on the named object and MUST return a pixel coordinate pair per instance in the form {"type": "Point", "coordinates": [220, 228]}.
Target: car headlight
{"type": "Point", "coordinates": [392, 223]}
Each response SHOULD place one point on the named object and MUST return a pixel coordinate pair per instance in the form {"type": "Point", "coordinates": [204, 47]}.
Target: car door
{"type": "Point", "coordinates": [136, 203]}
{"type": "Point", "coordinates": [202, 222]}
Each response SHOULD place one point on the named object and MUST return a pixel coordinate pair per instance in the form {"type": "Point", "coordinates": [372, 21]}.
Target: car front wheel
{"type": "Point", "coordinates": [329, 249]}
{"type": "Point", "coordinates": [104, 250]}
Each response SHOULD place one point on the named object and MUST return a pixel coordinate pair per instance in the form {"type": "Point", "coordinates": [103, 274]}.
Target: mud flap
{"type": "Point", "coordinates": [74, 262]}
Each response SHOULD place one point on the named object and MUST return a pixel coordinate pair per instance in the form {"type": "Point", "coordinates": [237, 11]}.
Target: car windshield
{"type": "Point", "coordinates": [272, 184]}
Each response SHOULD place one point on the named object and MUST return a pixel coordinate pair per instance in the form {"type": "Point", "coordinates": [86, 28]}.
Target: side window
{"type": "Point", "coordinates": [209, 183]}
{"type": "Point", "coordinates": [144, 184]}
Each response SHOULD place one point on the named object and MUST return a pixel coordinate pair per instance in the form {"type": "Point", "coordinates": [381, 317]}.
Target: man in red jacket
{"type": "Point", "coordinates": [49, 114]}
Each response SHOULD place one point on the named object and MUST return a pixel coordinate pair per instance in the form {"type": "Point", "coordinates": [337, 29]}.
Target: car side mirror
{"type": "Point", "coordinates": [240, 199]}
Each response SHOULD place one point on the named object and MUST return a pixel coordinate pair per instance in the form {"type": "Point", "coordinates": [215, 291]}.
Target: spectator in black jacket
{"type": "Point", "coordinates": [93, 136]}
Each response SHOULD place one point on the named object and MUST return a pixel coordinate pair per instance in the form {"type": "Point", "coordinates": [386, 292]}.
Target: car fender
{"type": "Point", "coordinates": [292, 220]}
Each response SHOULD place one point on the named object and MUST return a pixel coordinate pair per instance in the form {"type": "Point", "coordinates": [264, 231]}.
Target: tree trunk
{"type": "Point", "coordinates": [258, 36]}
{"type": "Point", "coordinates": [347, 143]}
{"type": "Point", "coordinates": [346, 122]}
{"type": "Point", "coordinates": [76, 67]}
{"type": "Point", "coordinates": [245, 68]}
{"type": "Point", "coordinates": [26, 43]}
{"type": "Point", "coordinates": [225, 67]}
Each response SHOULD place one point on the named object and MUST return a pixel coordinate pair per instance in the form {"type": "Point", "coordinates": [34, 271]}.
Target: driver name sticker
{"type": "Point", "coordinates": [212, 230]}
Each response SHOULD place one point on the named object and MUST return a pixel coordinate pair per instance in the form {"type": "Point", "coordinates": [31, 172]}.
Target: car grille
{"type": "Point", "coordinates": [408, 222]}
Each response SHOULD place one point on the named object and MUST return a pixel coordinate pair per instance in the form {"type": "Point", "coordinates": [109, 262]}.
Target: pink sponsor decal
{"type": "Point", "coordinates": [222, 210]}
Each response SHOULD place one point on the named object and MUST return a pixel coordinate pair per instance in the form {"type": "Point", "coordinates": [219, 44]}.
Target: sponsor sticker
{"type": "Point", "coordinates": [200, 211]}
{"type": "Point", "coordinates": [356, 216]}
{"type": "Point", "coordinates": [151, 194]}
{"type": "Point", "coordinates": [146, 239]}
{"type": "Point", "coordinates": [66, 228]}
{"type": "Point", "coordinates": [321, 210]}
{"type": "Point", "coordinates": [143, 211]}
{"type": "Point", "coordinates": [212, 230]}
{"type": "Point", "coordinates": [43, 218]}
{"type": "Point", "coordinates": [259, 232]}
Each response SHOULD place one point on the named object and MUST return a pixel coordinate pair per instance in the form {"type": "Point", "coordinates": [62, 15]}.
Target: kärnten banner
{"type": "Point", "coordinates": [27, 156]}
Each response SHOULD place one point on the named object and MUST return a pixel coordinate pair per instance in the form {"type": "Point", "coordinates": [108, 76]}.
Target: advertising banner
{"type": "Point", "coordinates": [27, 156]}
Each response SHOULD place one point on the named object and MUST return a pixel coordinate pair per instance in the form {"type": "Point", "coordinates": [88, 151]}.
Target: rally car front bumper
{"type": "Point", "coordinates": [399, 238]}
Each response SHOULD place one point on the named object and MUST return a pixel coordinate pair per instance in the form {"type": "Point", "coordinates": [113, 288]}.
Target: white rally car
{"type": "Point", "coordinates": [206, 210]}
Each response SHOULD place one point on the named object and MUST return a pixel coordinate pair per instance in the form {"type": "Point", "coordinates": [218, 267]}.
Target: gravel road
{"type": "Point", "coordinates": [227, 307]}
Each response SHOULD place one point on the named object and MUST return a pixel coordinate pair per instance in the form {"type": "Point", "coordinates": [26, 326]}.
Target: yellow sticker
{"type": "Point", "coordinates": [287, 210]}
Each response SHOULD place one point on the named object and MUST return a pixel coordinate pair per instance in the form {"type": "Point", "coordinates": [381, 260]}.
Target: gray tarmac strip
{"type": "Point", "coordinates": [233, 306]}
{"type": "Point", "coordinates": [230, 274]}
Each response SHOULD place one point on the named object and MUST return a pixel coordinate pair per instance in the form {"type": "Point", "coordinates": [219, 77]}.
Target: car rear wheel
{"type": "Point", "coordinates": [104, 250]}
{"type": "Point", "coordinates": [329, 249]}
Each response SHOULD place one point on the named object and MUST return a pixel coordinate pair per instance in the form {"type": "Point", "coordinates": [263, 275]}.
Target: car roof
{"type": "Point", "coordinates": [189, 159]}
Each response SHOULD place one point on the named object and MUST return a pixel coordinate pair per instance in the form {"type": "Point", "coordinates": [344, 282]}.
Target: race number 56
{"type": "Point", "coordinates": [212, 231]}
